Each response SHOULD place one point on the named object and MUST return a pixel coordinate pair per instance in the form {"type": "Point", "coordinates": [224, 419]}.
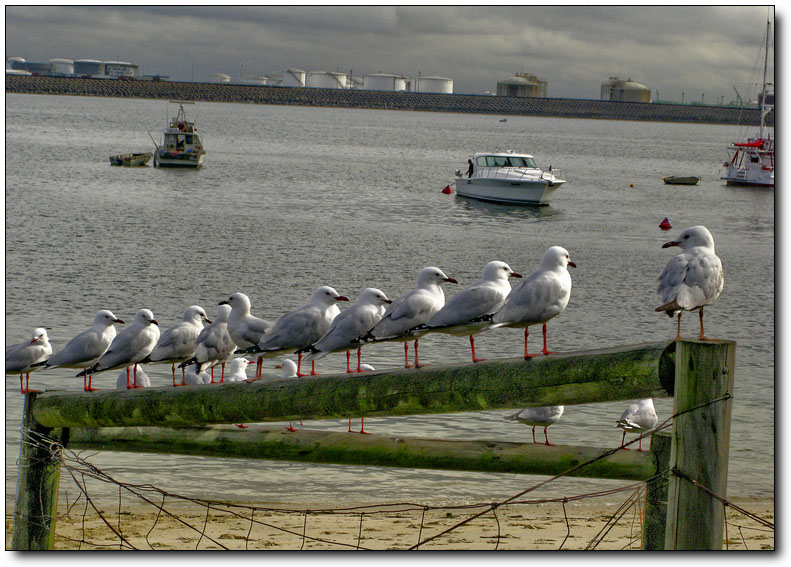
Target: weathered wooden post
{"type": "Point", "coordinates": [699, 453]}
{"type": "Point", "coordinates": [36, 504]}
{"type": "Point", "coordinates": [656, 495]}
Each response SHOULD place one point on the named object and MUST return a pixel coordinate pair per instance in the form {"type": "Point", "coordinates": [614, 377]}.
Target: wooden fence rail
{"type": "Point", "coordinates": [176, 420]}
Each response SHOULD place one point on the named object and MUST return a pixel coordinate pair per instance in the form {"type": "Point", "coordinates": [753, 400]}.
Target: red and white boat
{"type": "Point", "coordinates": [752, 162]}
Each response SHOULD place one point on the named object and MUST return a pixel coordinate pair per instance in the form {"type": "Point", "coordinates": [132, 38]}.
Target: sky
{"type": "Point", "coordinates": [700, 51]}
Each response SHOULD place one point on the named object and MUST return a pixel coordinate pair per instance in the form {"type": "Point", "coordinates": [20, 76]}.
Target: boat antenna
{"type": "Point", "coordinates": [153, 140]}
{"type": "Point", "coordinates": [763, 93]}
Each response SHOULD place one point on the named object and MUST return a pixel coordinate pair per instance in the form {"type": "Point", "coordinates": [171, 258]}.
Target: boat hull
{"type": "Point", "coordinates": [527, 192]}
{"type": "Point", "coordinates": [131, 160]}
{"type": "Point", "coordinates": [183, 160]}
{"type": "Point", "coordinates": [681, 180]}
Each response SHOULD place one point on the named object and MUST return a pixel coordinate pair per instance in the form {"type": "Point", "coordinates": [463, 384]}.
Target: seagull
{"type": "Point", "coordinates": [412, 310]}
{"type": "Point", "coordinates": [177, 344]}
{"type": "Point", "coordinates": [348, 329]}
{"type": "Point", "coordinates": [143, 381]}
{"type": "Point", "coordinates": [638, 418]}
{"type": "Point", "coordinates": [470, 311]}
{"type": "Point", "coordinates": [24, 357]}
{"type": "Point", "coordinates": [129, 346]}
{"type": "Point", "coordinates": [692, 279]}
{"type": "Point", "coordinates": [214, 345]}
{"type": "Point", "coordinates": [237, 369]}
{"type": "Point", "coordinates": [300, 328]}
{"type": "Point", "coordinates": [191, 378]}
{"type": "Point", "coordinates": [245, 329]}
{"type": "Point", "coordinates": [539, 417]}
{"type": "Point", "coordinates": [84, 349]}
{"type": "Point", "coordinates": [539, 297]}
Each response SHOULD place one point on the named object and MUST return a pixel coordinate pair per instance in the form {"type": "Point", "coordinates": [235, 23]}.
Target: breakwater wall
{"type": "Point", "coordinates": [383, 100]}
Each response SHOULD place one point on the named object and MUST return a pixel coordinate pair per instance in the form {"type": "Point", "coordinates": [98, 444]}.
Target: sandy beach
{"type": "Point", "coordinates": [600, 524]}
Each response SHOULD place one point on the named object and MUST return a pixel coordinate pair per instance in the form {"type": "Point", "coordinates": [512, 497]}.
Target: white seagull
{"type": "Point", "coordinates": [129, 346]}
{"type": "Point", "coordinates": [692, 279]}
{"type": "Point", "coordinates": [470, 311]}
{"type": "Point", "coordinates": [237, 369]}
{"type": "Point", "coordinates": [348, 328]}
{"type": "Point", "coordinates": [300, 328]}
{"type": "Point", "coordinates": [25, 357]}
{"type": "Point", "coordinates": [245, 329]}
{"type": "Point", "coordinates": [143, 381]}
{"type": "Point", "coordinates": [191, 378]}
{"type": "Point", "coordinates": [539, 417]}
{"type": "Point", "coordinates": [539, 297]}
{"type": "Point", "coordinates": [177, 343]}
{"type": "Point", "coordinates": [638, 418]}
{"type": "Point", "coordinates": [412, 310]}
{"type": "Point", "coordinates": [214, 345]}
{"type": "Point", "coordinates": [85, 348]}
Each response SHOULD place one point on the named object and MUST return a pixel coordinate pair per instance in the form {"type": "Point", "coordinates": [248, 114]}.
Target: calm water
{"type": "Point", "coordinates": [291, 198]}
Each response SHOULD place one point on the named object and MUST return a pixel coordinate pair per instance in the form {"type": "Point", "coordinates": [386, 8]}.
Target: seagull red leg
{"type": "Point", "coordinates": [527, 356]}
{"type": "Point", "coordinates": [700, 316]}
{"type": "Point", "coordinates": [472, 346]}
{"type": "Point", "coordinates": [127, 379]}
{"type": "Point", "coordinates": [406, 355]}
{"type": "Point", "coordinates": [545, 350]}
{"type": "Point", "coordinates": [299, 366]}
{"type": "Point", "coordinates": [417, 365]}
{"type": "Point", "coordinates": [348, 355]}
{"type": "Point", "coordinates": [313, 368]}
{"type": "Point", "coordinates": [546, 439]}
{"type": "Point", "coordinates": [623, 440]}
{"type": "Point", "coordinates": [534, 434]}
{"type": "Point", "coordinates": [362, 427]}
{"type": "Point", "coordinates": [358, 359]}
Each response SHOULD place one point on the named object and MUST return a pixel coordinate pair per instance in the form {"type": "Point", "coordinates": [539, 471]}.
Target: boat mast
{"type": "Point", "coordinates": [763, 94]}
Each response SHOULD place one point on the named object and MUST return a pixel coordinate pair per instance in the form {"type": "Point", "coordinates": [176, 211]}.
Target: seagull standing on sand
{"type": "Point", "coordinates": [214, 345]}
{"type": "Point", "coordinates": [25, 357]}
{"type": "Point", "coordinates": [177, 344]}
{"type": "Point", "coordinates": [470, 311]}
{"type": "Point", "coordinates": [539, 417]}
{"type": "Point", "coordinates": [245, 329]}
{"type": "Point", "coordinates": [300, 328]}
{"type": "Point", "coordinates": [129, 346]}
{"type": "Point", "coordinates": [85, 348]}
{"type": "Point", "coordinates": [348, 328]}
{"type": "Point", "coordinates": [539, 297]}
{"type": "Point", "coordinates": [638, 418]}
{"type": "Point", "coordinates": [412, 310]}
{"type": "Point", "coordinates": [692, 279]}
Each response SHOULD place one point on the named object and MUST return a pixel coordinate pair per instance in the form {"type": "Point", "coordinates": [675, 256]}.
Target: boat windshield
{"type": "Point", "coordinates": [505, 161]}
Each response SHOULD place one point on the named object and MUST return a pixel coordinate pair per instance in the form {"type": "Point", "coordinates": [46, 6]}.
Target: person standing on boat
{"type": "Point", "coordinates": [469, 168]}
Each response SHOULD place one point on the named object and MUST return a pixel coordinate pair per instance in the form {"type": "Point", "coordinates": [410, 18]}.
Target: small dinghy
{"type": "Point", "coordinates": [681, 180]}
{"type": "Point", "coordinates": [131, 159]}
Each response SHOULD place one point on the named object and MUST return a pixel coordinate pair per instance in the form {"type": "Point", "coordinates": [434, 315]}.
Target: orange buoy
{"type": "Point", "coordinates": [665, 224]}
{"type": "Point", "coordinates": [447, 190]}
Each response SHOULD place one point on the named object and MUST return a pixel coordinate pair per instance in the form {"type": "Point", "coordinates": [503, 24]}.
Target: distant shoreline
{"type": "Point", "coordinates": [383, 100]}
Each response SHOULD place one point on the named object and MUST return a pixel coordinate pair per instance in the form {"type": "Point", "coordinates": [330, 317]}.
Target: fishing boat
{"type": "Point", "coordinates": [181, 145]}
{"type": "Point", "coordinates": [131, 160]}
{"type": "Point", "coordinates": [681, 180]}
{"type": "Point", "coordinates": [752, 161]}
{"type": "Point", "coordinates": [508, 177]}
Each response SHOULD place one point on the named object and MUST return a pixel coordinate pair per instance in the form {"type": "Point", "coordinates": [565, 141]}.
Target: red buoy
{"type": "Point", "coordinates": [447, 190]}
{"type": "Point", "coordinates": [665, 224]}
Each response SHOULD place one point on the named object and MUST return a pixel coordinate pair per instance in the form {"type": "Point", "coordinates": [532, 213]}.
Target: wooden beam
{"type": "Point", "coordinates": [35, 509]}
{"type": "Point", "coordinates": [701, 434]}
{"type": "Point", "coordinates": [270, 442]}
{"type": "Point", "coordinates": [620, 373]}
{"type": "Point", "coordinates": [656, 494]}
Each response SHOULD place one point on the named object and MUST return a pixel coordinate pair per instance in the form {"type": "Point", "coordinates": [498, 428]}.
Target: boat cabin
{"type": "Point", "coordinates": [504, 160]}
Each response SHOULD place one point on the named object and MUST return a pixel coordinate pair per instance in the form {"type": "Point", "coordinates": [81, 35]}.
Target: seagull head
{"type": "Point", "coordinates": [327, 295]}
{"type": "Point", "coordinates": [692, 237]}
{"type": "Point", "coordinates": [145, 317]}
{"type": "Point", "coordinates": [373, 296]}
{"type": "Point", "coordinates": [432, 275]}
{"type": "Point", "coordinates": [237, 300]}
{"type": "Point", "coordinates": [106, 317]}
{"type": "Point", "coordinates": [197, 314]}
{"type": "Point", "coordinates": [223, 311]}
{"type": "Point", "coordinates": [557, 256]}
{"type": "Point", "coordinates": [39, 336]}
{"type": "Point", "coordinates": [497, 270]}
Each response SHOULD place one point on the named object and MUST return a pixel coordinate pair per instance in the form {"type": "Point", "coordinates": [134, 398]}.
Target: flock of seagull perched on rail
{"type": "Point", "coordinates": [692, 280]}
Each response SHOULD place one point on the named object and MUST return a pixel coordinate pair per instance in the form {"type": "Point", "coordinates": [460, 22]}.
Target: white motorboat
{"type": "Point", "coordinates": [752, 162]}
{"type": "Point", "coordinates": [182, 145]}
{"type": "Point", "coordinates": [508, 177]}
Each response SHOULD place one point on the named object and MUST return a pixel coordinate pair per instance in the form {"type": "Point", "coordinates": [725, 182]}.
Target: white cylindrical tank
{"type": "Point", "coordinates": [254, 79]}
{"type": "Point", "coordinates": [219, 78]}
{"type": "Point", "coordinates": [384, 82]}
{"type": "Point", "coordinates": [629, 91]}
{"type": "Point", "coordinates": [325, 80]}
{"type": "Point", "coordinates": [88, 67]}
{"type": "Point", "coordinates": [65, 66]}
{"type": "Point", "coordinates": [431, 84]}
{"type": "Point", "coordinates": [293, 78]}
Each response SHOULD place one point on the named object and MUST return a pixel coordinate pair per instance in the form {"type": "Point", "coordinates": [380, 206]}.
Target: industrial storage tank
{"type": "Point", "coordinates": [254, 79]}
{"type": "Point", "coordinates": [62, 66]}
{"type": "Point", "coordinates": [219, 78]}
{"type": "Point", "coordinates": [120, 69]}
{"type": "Point", "coordinates": [89, 67]}
{"type": "Point", "coordinates": [522, 85]}
{"type": "Point", "coordinates": [625, 91]}
{"type": "Point", "coordinates": [293, 78]}
{"type": "Point", "coordinates": [384, 82]}
{"type": "Point", "coordinates": [432, 84]}
{"type": "Point", "coordinates": [325, 80]}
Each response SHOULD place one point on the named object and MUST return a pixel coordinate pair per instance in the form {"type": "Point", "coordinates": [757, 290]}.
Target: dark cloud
{"type": "Point", "coordinates": [674, 49]}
